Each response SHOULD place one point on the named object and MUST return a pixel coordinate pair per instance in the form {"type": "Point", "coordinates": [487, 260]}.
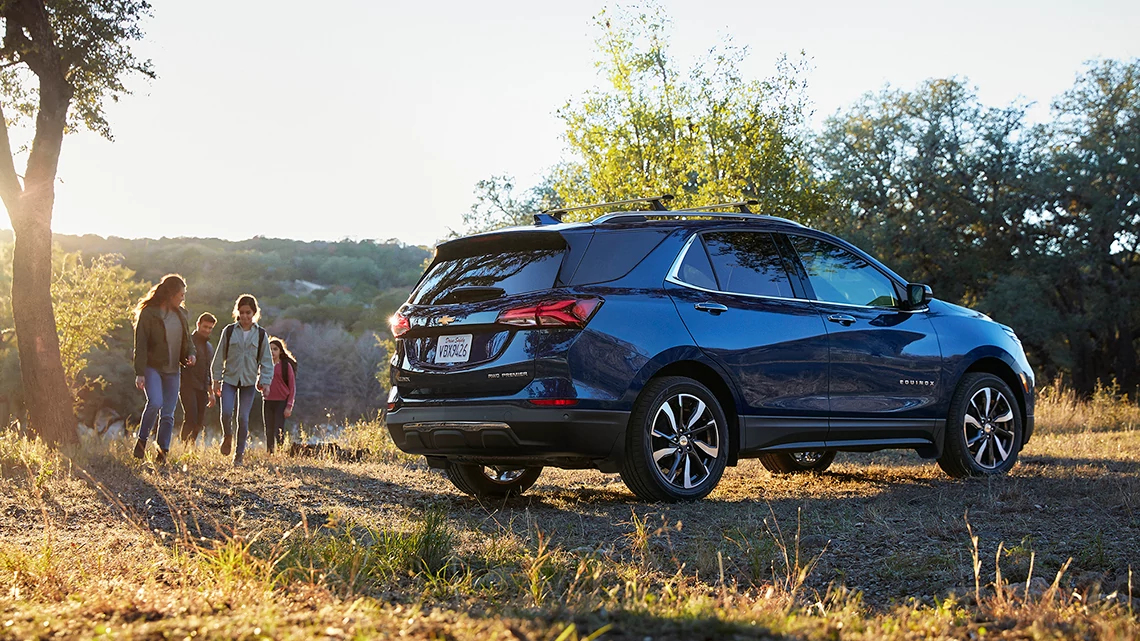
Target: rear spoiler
{"type": "Point", "coordinates": [524, 239]}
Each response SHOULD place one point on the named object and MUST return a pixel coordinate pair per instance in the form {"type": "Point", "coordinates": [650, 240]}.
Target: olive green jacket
{"type": "Point", "coordinates": [151, 349]}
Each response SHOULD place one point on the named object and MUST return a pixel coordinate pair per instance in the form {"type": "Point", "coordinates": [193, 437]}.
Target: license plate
{"type": "Point", "coordinates": [453, 349]}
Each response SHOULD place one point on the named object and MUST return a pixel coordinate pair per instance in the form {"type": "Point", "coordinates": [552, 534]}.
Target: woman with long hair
{"type": "Point", "coordinates": [278, 400]}
{"type": "Point", "coordinates": [242, 366]}
{"type": "Point", "coordinates": [162, 346]}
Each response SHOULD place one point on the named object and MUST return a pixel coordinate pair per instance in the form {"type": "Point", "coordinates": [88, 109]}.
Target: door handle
{"type": "Point", "coordinates": [842, 319]}
{"type": "Point", "coordinates": [713, 308]}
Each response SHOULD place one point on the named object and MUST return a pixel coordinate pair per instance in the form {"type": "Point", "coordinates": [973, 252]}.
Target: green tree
{"type": "Point", "coordinates": [60, 59]}
{"type": "Point", "coordinates": [934, 183]}
{"type": "Point", "coordinates": [91, 300]}
{"type": "Point", "coordinates": [705, 134]}
{"type": "Point", "coordinates": [1090, 242]}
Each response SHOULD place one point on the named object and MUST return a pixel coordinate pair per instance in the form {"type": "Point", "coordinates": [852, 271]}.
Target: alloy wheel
{"type": "Point", "coordinates": [989, 428]}
{"type": "Point", "coordinates": [685, 441]}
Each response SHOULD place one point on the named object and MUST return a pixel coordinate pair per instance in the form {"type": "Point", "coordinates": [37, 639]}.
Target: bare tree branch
{"type": "Point", "coordinates": [10, 188]}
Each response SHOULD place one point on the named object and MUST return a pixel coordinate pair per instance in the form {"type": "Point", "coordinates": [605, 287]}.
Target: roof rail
{"type": "Point", "coordinates": [682, 214]}
{"type": "Point", "coordinates": [656, 202]}
{"type": "Point", "coordinates": [741, 206]}
{"type": "Point", "coordinates": [673, 214]}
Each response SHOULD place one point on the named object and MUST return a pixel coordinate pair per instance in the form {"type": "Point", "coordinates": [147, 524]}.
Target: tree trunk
{"type": "Point", "coordinates": [47, 398]}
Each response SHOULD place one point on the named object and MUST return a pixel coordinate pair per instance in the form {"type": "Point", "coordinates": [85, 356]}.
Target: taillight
{"type": "Point", "coordinates": [569, 312]}
{"type": "Point", "coordinates": [399, 324]}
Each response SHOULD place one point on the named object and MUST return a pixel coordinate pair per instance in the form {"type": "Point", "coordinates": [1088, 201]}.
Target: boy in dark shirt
{"type": "Point", "coordinates": [196, 383]}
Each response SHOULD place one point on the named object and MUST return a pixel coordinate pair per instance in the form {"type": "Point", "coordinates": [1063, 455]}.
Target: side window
{"type": "Point", "coordinates": [748, 263]}
{"type": "Point", "coordinates": [838, 276]}
{"type": "Point", "coordinates": [695, 268]}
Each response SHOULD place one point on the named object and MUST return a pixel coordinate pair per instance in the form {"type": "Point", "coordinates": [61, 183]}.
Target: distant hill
{"type": "Point", "coordinates": [329, 300]}
{"type": "Point", "coordinates": [357, 284]}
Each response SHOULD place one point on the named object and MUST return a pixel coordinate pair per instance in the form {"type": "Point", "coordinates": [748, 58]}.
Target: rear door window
{"type": "Point", "coordinates": [747, 263]}
{"type": "Point", "coordinates": [839, 276]}
{"type": "Point", "coordinates": [515, 272]}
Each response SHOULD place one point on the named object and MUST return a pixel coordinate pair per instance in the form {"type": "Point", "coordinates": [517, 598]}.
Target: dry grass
{"type": "Point", "coordinates": [1060, 409]}
{"type": "Point", "coordinates": [94, 544]}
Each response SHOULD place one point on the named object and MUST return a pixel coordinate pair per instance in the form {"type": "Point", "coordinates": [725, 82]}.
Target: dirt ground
{"type": "Point", "coordinates": [887, 525]}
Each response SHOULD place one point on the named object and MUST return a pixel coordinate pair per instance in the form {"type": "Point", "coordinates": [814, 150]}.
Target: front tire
{"type": "Point", "coordinates": [490, 482]}
{"type": "Point", "coordinates": [797, 462]}
{"type": "Point", "coordinates": [983, 429]}
{"type": "Point", "coordinates": [677, 442]}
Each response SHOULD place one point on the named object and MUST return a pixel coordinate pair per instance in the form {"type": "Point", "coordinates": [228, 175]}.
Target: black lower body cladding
{"type": "Point", "coordinates": [511, 434]}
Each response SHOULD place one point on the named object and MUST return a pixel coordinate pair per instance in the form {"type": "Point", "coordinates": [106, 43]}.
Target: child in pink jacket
{"type": "Point", "coordinates": [278, 399]}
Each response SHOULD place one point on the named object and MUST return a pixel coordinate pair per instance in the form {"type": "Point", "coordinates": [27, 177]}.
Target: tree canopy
{"type": "Point", "coordinates": [703, 132]}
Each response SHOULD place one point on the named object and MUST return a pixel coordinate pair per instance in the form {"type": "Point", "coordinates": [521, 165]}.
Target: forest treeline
{"type": "Point", "coordinates": [329, 300]}
{"type": "Point", "coordinates": [1036, 224]}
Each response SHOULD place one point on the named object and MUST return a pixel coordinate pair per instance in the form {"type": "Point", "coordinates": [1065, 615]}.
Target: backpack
{"type": "Point", "coordinates": [286, 367]}
{"type": "Point", "coordinates": [229, 331]}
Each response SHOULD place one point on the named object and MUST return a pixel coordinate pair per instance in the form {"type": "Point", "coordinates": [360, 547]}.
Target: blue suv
{"type": "Point", "coordinates": [666, 345]}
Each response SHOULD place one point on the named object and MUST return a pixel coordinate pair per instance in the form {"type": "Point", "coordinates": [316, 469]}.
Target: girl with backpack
{"type": "Point", "coordinates": [242, 367]}
{"type": "Point", "coordinates": [278, 403]}
{"type": "Point", "coordinates": [162, 346]}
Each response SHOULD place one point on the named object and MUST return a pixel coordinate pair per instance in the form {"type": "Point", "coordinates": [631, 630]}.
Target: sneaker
{"type": "Point", "coordinates": [227, 443]}
{"type": "Point", "coordinates": [238, 462]}
{"type": "Point", "coordinates": [140, 448]}
{"type": "Point", "coordinates": [160, 458]}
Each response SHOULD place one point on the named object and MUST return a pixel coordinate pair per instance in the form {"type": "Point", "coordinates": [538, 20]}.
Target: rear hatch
{"type": "Point", "coordinates": [459, 334]}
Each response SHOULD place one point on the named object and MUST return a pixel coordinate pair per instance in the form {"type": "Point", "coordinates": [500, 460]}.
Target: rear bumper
{"type": "Point", "coordinates": [503, 434]}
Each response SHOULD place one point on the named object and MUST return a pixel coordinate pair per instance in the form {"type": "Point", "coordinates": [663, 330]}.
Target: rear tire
{"type": "Point", "coordinates": [676, 442]}
{"type": "Point", "coordinates": [489, 482]}
{"type": "Point", "coordinates": [797, 462]}
{"type": "Point", "coordinates": [983, 429]}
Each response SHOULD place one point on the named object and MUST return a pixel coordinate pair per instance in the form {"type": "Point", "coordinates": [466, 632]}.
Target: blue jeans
{"type": "Point", "coordinates": [245, 395]}
{"type": "Point", "coordinates": [161, 395]}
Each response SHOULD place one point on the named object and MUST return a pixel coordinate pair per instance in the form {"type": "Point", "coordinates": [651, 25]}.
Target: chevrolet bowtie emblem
{"type": "Point", "coordinates": [446, 320]}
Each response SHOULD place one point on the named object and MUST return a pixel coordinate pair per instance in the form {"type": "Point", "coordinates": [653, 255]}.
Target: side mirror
{"type": "Point", "coordinates": [918, 295]}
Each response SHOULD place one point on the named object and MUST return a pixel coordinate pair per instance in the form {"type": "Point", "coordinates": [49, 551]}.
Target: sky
{"type": "Point", "coordinates": [375, 119]}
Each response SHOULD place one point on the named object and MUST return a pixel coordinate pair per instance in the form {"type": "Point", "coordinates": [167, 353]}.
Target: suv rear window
{"type": "Point", "coordinates": [515, 272]}
{"type": "Point", "coordinates": [614, 253]}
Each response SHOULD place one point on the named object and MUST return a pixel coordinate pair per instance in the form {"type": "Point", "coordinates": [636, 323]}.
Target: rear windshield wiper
{"type": "Point", "coordinates": [470, 294]}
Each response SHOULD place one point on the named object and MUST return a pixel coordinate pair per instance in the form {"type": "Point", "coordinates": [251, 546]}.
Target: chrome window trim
{"type": "Point", "coordinates": [672, 277]}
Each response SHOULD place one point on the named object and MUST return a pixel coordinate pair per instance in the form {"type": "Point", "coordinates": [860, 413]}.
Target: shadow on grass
{"type": "Point", "coordinates": [1116, 466]}
{"type": "Point", "coordinates": [639, 626]}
